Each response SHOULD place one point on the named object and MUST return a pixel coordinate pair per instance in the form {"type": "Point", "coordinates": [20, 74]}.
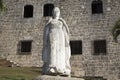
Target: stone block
{"type": "Point", "coordinates": [46, 77]}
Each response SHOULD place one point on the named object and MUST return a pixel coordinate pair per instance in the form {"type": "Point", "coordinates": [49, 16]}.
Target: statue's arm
{"type": "Point", "coordinates": [65, 25]}
{"type": "Point", "coordinates": [45, 35]}
{"type": "Point", "coordinates": [45, 42]}
{"type": "Point", "coordinates": [66, 32]}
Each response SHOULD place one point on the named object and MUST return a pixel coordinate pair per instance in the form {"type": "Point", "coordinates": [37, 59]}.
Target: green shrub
{"type": "Point", "coordinates": [116, 30]}
{"type": "Point", "coordinates": [2, 7]}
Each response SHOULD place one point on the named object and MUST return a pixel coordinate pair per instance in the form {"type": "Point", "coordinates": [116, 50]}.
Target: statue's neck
{"type": "Point", "coordinates": [56, 18]}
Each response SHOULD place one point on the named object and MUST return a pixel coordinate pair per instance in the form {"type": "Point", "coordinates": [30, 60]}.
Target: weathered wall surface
{"type": "Point", "coordinates": [83, 26]}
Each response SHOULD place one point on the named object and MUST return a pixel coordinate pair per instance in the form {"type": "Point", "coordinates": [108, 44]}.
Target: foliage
{"type": "Point", "coordinates": [116, 30]}
{"type": "Point", "coordinates": [2, 6]}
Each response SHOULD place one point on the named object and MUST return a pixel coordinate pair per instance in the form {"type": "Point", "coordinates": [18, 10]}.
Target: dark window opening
{"type": "Point", "coordinates": [48, 8]}
{"type": "Point", "coordinates": [25, 47]}
{"type": "Point", "coordinates": [76, 47]}
{"type": "Point", "coordinates": [28, 11]}
{"type": "Point", "coordinates": [99, 47]}
{"type": "Point", "coordinates": [97, 7]}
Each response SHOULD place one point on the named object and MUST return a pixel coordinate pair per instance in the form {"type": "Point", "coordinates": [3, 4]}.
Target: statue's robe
{"type": "Point", "coordinates": [56, 49]}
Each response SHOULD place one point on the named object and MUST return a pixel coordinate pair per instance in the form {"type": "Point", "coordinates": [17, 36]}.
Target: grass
{"type": "Point", "coordinates": [18, 73]}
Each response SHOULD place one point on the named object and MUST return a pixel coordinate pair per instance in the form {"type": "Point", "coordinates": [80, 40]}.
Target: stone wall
{"type": "Point", "coordinates": [83, 26]}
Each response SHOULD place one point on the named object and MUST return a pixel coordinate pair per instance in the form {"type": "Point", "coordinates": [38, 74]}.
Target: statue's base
{"type": "Point", "coordinates": [46, 77]}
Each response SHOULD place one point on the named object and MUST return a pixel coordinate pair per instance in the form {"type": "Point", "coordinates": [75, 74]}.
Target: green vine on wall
{"type": "Point", "coordinates": [116, 30]}
{"type": "Point", "coordinates": [2, 6]}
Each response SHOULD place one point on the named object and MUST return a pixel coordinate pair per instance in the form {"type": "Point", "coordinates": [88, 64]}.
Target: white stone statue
{"type": "Point", "coordinates": [56, 48]}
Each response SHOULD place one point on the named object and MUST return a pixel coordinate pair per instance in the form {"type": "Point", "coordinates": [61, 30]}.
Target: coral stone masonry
{"type": "Point", "coordinates": [90, 23]}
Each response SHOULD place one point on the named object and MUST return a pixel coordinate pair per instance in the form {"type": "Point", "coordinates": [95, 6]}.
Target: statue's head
{"type": "Point", "coordinates": [56, 12]}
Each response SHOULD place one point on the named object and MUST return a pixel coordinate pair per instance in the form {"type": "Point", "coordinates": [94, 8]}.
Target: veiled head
{"type": "Point", "coordinates": [56, 12]}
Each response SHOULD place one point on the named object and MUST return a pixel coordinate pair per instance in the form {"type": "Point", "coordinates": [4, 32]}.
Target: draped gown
{"type": "Point", "coordinates": [54, 52]}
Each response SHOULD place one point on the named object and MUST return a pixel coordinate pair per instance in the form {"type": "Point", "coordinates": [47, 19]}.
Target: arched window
{"type": "Point", "coordinates": [48, 9]}
{"type": "Point", "coordinates": [28, 11]}
{"type": "Point", "coordinates": [97, 7]}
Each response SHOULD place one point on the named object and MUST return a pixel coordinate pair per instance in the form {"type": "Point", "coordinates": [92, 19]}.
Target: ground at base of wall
{"type": "Point", "coordinates": [94, 78]}
{"type": "Point", "coordinates": [9, 72]}
{"type": "Point", "coordinates": [47, 77]}
{"type": "Point", "coordinates": [26, 73]}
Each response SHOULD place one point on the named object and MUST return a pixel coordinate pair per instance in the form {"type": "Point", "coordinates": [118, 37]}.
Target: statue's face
{"type": "Point", "coordinates": [56, 12]}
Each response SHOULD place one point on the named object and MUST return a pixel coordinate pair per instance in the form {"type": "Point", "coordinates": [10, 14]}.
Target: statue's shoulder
{"type": "Point", "coordinates": [48, 21]}
{"type": "Point", "coordinates": [61, 19]}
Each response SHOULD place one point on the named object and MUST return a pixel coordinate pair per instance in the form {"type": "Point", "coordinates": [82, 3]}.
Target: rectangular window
{"type": "Point", "coordinates": [97, 7]}
{"type": "Point", "coordinates": [25, 47]}
{"type": "Point", "coordinates": [28, 11]}
{"type": "Point", "coordinates": [76, 47]}
{"type": "Point", "coordinates": [99, 47]}
{"type": "Point", "coordinates": [48, 9]}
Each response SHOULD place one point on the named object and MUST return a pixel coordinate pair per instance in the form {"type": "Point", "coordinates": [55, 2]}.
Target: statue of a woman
{"type": "Point", "coordinates": [56, 48]}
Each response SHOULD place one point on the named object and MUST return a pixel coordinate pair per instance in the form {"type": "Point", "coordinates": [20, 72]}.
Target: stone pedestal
{"type": "Point", "coordinates": [46, 77]}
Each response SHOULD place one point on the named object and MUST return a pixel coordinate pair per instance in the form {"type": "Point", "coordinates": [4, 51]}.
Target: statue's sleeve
{"type": "Point", "coordinates": [66, 32]}
{"type": "Point", "coordinates": [45, 42]}
{"type": "Point", "coordinates": [65, 26]}
{"type": "Point", "coordinates": [45, 50]}
{"type": "Point", "coordinates": [45, 35]}
{"type": "Point", "coordinates": [67, 46]}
